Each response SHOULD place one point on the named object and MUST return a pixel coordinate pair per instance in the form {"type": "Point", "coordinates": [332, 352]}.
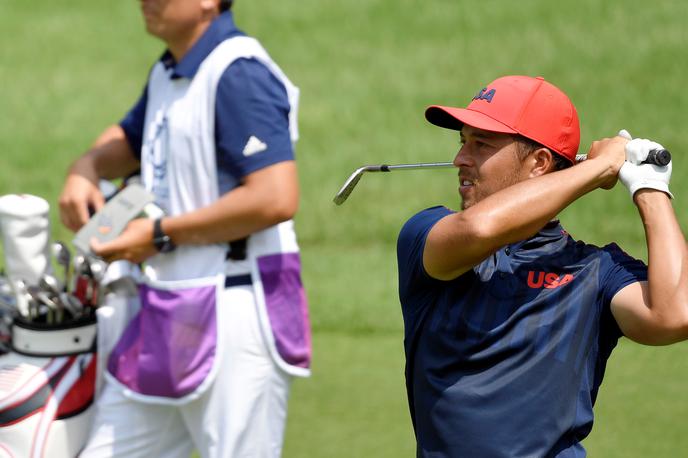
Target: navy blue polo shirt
{"type": "Point", "coordinates": [250, 101]}
{"type": "Point", "coordinates": [506, 360]}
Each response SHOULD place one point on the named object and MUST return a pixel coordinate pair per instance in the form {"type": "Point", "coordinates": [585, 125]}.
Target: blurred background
{"type": "Point", "coordinates": [367, 69]}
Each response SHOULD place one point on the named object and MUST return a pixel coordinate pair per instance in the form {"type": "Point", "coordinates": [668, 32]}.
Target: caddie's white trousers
{"type": "Point", "coordinates": [242, 414]}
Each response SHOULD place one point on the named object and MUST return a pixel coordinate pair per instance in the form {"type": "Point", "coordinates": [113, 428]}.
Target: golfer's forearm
{"type": "Point", "coordinates": [462, 240]}
{"type": "Point", "coordinates": [521, 210]}
{"type": "Point", "coordinates": [110, 157]}
{"type": "Point", "coordinates": [667, 262]}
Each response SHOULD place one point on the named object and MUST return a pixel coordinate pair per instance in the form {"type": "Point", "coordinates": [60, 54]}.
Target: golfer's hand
{"type": "Point", "coordinates": [635, 175]}
{"type": "Point", "coordinates": [135, 243]}
{"type": "Point", "coordinates": [611, 155]}
{"type": "Point", "coordinates": [79, 194]}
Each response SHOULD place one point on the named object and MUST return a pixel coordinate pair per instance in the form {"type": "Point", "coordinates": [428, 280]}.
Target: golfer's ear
{"type": "Point", "coordinates": [540, 161]}
{"type": "Point", "coordinates": [210, 7]}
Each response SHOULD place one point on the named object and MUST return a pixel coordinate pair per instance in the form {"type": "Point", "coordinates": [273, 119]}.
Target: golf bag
{"type": "Point", "coordinates": [47, 388]}
{"type": "Point", "coordinates": [54, 335]}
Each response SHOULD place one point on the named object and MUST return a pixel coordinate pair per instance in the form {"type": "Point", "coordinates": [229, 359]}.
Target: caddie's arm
{"type": "Point", "coordinates": [654, 312]}
{"type": "Point", "coordinates": [460, 241]}
{"type": "Point", "coordinates": [266, 197]}
{"type": "Point", "coordinates": [109, 157]}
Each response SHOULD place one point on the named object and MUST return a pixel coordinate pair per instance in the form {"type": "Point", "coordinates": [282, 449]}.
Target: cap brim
{"type": "Point", "coordinates": [455, 118]}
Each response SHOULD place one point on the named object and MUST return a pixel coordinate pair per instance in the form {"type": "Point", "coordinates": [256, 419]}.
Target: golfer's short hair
{"type": "Point", "coordinates": [527, 146]}
{"type": "Point", "coordinates": [225, 5]}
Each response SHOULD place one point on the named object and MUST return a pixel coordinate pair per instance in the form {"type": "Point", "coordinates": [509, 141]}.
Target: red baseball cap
{"type": "Point", "coordinates": [522, 105]}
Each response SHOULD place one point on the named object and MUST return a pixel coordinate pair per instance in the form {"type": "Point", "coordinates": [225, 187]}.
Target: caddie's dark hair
{"type": "Point", "coordinates": [527, 146]}
{"type": "Point", "coordinates": [225, 5]}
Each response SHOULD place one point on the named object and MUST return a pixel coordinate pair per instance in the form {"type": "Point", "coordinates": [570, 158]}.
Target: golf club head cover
{"type": "Point", "coordinates": [635, 175]}
{"type": "Point", "coordinates": [25, 228]}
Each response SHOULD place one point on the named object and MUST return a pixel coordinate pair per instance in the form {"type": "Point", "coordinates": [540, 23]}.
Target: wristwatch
{"type": "Point", "coordinates": [162, 242]}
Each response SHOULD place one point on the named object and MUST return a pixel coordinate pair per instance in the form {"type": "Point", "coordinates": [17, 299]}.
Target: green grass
{"type": "Point", "coordinates": [367, 69]}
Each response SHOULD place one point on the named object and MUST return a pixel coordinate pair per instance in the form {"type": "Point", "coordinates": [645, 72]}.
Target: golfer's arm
{"type": "Point", "coordinates": [110, 157]}
{"type": "Point", "coordinates": [266, 197]}
{"type": "Point", "coordinates": [656, 312]}
{"type": "Point", "coordinates": [462, 240]}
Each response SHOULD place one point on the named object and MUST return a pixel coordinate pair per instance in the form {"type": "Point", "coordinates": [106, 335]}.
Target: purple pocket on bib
{"type": "Point", "coordinates": [169, 347]}
{"type": "Point", "coordinates": [287, 307]}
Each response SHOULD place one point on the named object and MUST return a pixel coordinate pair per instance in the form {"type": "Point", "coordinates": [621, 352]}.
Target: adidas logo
{"type": "Point", "coordinates": [253, 146]}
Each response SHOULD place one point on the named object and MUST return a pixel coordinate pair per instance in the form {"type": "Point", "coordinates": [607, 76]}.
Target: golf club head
{"type": "Point", "coordinates": [63, 258]}
{"type": "Point", "coordinates": [22, 298]}
{"type": "Point", "coordinates": [96, 268]}
{"type": "Point", "coordinates": [79, 263]}
{"type": "Point", "coordinates": [60, 252]}
{"type": "Point", "coordinates": [355, 177]}
{"type": "Point", "coordinates": [72, 305]}
{"type": "Point", "coordinates": [349, 185]}
{"type": "Point", "coordinates": [51, 284]}
{"type": "Point", "coordinates": [55, 308]}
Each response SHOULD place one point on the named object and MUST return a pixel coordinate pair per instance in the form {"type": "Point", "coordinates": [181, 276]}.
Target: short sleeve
{"type": "Point", "coordinates": [621, 270]}
{"type": "Point", "coordinates": [133, 123]}
{"type": "Point", "coordinates": [410, 247]}
{"type": "Point", "coordinates": [251, 119]}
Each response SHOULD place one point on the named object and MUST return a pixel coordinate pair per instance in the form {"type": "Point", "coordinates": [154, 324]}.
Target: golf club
{"type": "Point", "coordinates": [23, 299]}
{"type": "Point", "coordinates": [72, 305]}
{"type": "Point", "coordinates": [63, 257]}
{"type": "Point", "coordinates": [55, 309]}
{"type": "Point", "coordinates": [660, 157]}
{"type": "Point", "coordinates": [51, 284]}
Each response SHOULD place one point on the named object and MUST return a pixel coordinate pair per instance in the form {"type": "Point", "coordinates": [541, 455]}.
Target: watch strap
{"type": "Point", "coordinates": [162, 242]}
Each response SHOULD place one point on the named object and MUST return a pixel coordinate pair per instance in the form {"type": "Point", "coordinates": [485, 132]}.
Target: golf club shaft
{"type": "Point", "coordinates": [422, 165]}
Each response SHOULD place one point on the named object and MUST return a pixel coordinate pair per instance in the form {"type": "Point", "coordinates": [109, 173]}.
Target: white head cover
{"type": "Point", "coordinates": [25, 228]}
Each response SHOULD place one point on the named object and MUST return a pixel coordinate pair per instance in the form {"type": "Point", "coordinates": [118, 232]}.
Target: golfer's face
{"type": "Point", "coordinates": [487, 162]}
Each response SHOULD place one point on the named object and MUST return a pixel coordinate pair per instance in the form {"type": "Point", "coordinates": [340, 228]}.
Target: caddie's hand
{"type": "Point", "coordinates": [79, 194]}
{"type": "Point", "coordinates": [134, 244]}
{"type": "Point", "coordinates": [635, 175]}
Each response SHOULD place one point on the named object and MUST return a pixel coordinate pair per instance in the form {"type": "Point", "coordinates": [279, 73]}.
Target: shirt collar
{"type": "Point", "coordinates": [552, 231]}
{"type": "Point", "coordinates": [220, 29]}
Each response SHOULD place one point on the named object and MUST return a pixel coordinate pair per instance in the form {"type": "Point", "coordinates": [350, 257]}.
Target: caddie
{"type": "Point", "coordinates": [208, 361]}
{"type": "Point", "coordinates": [509, 320]}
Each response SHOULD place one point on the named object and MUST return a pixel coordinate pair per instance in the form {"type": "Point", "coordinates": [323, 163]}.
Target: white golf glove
{"type": "Point", "coordinates": [635, 175]}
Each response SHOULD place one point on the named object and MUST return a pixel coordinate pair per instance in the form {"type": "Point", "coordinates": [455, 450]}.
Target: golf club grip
{"type": "Point", "coordinates": [660, 157]}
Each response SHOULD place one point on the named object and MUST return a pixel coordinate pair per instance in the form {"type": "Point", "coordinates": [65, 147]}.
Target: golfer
{"type": "Point", "coordinates": [208, 361]}
{"type": "Point", "coordinates": [509, 320]}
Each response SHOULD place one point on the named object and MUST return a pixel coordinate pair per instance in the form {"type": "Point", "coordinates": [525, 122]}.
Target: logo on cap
{"type": "Point", "coordinates": [484, 94]}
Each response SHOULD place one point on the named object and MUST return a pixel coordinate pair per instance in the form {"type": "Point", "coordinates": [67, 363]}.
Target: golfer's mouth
{"type": "Point", "coordinates": [465, 185]}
